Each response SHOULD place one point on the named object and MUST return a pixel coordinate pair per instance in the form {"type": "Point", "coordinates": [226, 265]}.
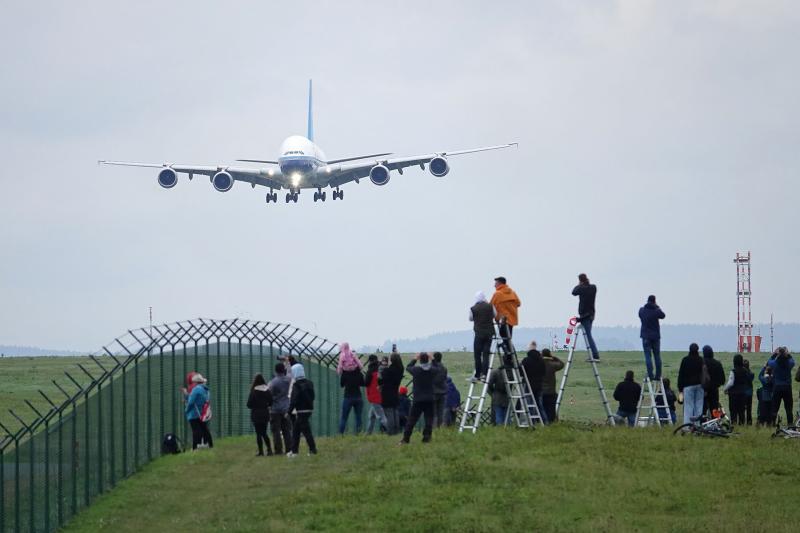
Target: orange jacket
{"type": "Point", "coordinates": [506, 302]}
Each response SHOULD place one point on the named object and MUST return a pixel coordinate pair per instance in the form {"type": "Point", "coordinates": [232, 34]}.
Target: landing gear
{"type": "Point", "coordinates": [272, 197]}
{"type": "Point", "coordinates": [338, 194]}
{"type": "Point", "coordinates": [320, 195]}
{"type": "Point", "coordinates": [292, 197]}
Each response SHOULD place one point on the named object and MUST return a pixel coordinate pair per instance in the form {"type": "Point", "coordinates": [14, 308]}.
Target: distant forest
{"type": "Point", "coordinates": [673, 338]}
{"type": "Point", "coordinates": [31, 351]}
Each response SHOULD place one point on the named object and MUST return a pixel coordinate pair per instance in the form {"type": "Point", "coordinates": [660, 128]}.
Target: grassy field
{"type": "Point", "coordinates": [22, 377]}
{"type": "Point", "coordinates": [560, 478]}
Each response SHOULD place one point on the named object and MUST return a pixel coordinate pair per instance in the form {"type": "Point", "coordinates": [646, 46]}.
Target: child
{"type": "Point", "coordinates": [403, 406]}
{"type": "Point", "coordinates": [452, 402]}
{"type": "Point", "coordinates": [670, 400]}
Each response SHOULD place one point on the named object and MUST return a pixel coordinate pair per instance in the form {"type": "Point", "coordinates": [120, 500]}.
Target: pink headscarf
{"type": "Point", "coordinates": [347, 360]}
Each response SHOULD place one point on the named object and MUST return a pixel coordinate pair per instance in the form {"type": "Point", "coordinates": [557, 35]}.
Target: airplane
{"type": "Point", "coordinates": [302, 165]}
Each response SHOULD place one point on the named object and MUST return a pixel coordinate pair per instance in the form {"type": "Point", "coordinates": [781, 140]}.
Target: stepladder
{"type": "Point", "coordinates": [653, 407]}
{"type": "Point", "coordinates": [574, 330]}
{"type": "Point", "coordinates": [522, 409]}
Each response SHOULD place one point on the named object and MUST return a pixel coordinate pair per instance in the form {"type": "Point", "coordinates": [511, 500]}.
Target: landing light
{"type": "Point", "coordinates": [296, 179]}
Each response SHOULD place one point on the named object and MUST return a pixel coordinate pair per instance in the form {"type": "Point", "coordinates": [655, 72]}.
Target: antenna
{"type": "Point", "coordinates": [771, 334]}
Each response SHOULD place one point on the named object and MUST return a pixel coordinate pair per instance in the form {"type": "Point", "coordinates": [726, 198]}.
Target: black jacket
{"type": "Point", "coordinates": [440, 379]}
{"type": "Point", "coordinates": [716, 373]}
{"type": "Point", "coordinates": [302, 398]}
{"type": "Point", "coordinates": [691, 372]}
{"type": "Point", "coordinates": [390, 381]}
{"type": "Point", "coordinates": [259, 402]}
{"type": "Point", "coordinates": [483, 319]}
{"type": "Point", "coordinates": [423, 376]}
{"type": "Point", "coordinates": [650, 314]}
{"type": "Point", "coordinates": [352, 381]}
{"type": "Point", "coordinates": [535, 369]}
{"type": "Point", "coordinates": [586, 295]}
{"type": "Point", "coordinates": [627, 394]}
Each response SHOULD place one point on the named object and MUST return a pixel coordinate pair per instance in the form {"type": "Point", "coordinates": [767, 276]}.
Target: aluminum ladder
{"type": "Point", "coordinates": [653, 398]}
{"type": "Point", "coordinates": [573, 329]}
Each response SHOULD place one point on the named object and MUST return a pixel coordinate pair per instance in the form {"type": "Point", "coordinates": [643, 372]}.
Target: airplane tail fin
{"type": "Point", "coordinates": [310, 115]}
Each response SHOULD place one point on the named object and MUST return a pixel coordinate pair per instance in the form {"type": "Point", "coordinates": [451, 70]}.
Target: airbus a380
{"type": "Point", "coordinates": [302, 165]}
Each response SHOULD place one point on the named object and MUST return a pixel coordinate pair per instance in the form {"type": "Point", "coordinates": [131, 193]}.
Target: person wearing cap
{"type": "Point", "coordinates": [586, 293]}
{"type": "Point", "coordinates": [650, 333]}
{"type": "Point", "coordinates": [482, 315]}
{"type": "Point", "coordinates": [505, 302]}
{"type": "Point", "coordinates": [302, 404]}
{"type": "Point", "coordinates": [279, 411]}
{"type": "Point", "coordinates": [195, 405]}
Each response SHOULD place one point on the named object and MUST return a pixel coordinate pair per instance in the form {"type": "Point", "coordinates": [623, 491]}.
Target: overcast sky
{"type": "Point", "coordinates": [656, 139]}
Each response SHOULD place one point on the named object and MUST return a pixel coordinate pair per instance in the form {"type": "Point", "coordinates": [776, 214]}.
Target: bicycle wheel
{"type": "Point", "coordinates": [684, 429]}
{"type": "Point", "coordinates": [715, 433]}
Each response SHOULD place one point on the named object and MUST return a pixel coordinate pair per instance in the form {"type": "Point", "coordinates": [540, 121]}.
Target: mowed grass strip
{"type": "Point", "coordinates": [560, 478]}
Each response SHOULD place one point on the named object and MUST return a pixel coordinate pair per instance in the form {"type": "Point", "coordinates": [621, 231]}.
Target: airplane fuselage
{"type": "Point", "coordinates": [299, 160]}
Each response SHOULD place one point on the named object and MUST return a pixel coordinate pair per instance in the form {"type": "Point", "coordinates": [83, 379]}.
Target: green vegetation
{"type": "Point", "coordinates": [559, 478]}
{"type": "Point", "coordinates": [22, 377]}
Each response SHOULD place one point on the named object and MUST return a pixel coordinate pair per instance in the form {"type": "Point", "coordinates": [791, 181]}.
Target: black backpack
{"type": "Point", "coordinates": [170, 444]}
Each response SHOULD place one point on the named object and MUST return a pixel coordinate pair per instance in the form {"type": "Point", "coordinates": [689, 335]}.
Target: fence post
{"type": "Point", "coordinates": [124, 422]}
{"type": "Point", "coordinates": [149, 408]}
{"type": "Point", "coordinates": [2, 488]}
{"type": "Point", "coordinates": [99, 438]}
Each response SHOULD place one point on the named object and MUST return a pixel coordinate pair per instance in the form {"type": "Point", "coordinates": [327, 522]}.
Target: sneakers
{"type": "Point", "coordinates": [483, 377]}
{"type": "Point", "coordinates": [593, 360]}
{"type": "Point", "coordinates": [402, 443]}
{"type": "Point", "coordinates": [291, 455]}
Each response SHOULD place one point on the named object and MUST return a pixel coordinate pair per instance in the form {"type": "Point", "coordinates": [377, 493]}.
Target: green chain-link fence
{"type": "Point", "coordinates": [103, 430]}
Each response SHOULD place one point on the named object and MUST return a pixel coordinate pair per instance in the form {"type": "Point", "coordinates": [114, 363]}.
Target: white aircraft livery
{"type": "Point", "coordinates": [302, 165]}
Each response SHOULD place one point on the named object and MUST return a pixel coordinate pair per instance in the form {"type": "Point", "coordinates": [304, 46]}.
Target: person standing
{"type": "Point", "coordinates": [422, 376]}
{"type": "Point", "coordinates": [376, 413]}
{"type": "Point", "coordinates": [302, 404]}
{"type": "Point", "coordinates": [535, 369]}
{"type": "Point", "coordinates": [506, 304]}
{"type": "Point", "coordinates": [279, 411]}
{"type": "Point", "coordinates": [735, 389]}
{"type": "Point", "coordinates": [668, 392]}
{"type": "Point", "coordinates": [452, 402]}
{"type": "Point", "coordinates": [351, 380]}
{"type": "Point", "coordinates": [587, 293]}
{"type": "Point", "coordinates": [764, 395]}
{"type": "Point", "coordinates": [690, 383]}
{"type": "Point", "coordinates": [390, 380]}
{"type": "Point", "coordinates": [497, 388]}
{"type": "Point", "coordinates": [627, 394]}
{"type": "Point", "coordinates": [781, 364]}
{"type": "Point", "coordinates": [259, 402]}
{"type": "Point", "coordinates": [439, 389]}
{"type": "Point", "coordinates": [748, 395]}
{"type": "Point", "coordinates": [552, 364]}
{"type": "Point", "coordinates": [649, 315]}
{"type": "Point", "coordinates": [198, 411]}
{"type": "Point", "coordinates": [717, 375]}
{"type": "Point", "coordinates": [481, 314]}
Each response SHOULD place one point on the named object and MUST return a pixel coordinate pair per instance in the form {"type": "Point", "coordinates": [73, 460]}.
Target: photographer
{"type": "Point", "coordinates": [586, 293]}
{"type": "Point", "coordinates": [781, 365]}
{"type": "Point", "coordinates": [650, 333]}
{"type": "Point", "coordinates": [422, 376]}
{"type": "Point", "coordinates": [764, 395]}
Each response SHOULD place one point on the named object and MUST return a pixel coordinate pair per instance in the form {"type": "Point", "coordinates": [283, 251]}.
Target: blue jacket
{"type": "Point", "coordinates": [650, 314]}
{"type": "Point", "coordinates": [766, 389]}
{"type": "Point", "coordinates": [782, 371]}
{"type": "Point", "coordinates": [453, 396]}
{"type": "Point", "coordinates": [197, 399]}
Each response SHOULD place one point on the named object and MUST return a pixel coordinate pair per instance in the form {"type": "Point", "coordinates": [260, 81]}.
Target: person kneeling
{"type": "Point", "coordinates": [627, 394]}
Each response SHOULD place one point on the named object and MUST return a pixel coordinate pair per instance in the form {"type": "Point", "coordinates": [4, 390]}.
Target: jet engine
{"type": "Point", "coordinates": [439, 167]}
{"type": "Point", "coordinates": [379, 175]}
{"type": "Point", "coordinates": [167, 178]}
{"type": "Point", "coordinates": [222, 181]}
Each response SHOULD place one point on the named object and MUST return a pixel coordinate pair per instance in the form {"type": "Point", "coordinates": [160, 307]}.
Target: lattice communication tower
{"type": "Point", "coordinates": [746, 341]}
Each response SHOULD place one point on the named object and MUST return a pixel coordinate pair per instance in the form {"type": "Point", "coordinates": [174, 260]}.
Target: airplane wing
{"type": "Point", "coordinates": [341, 174]}
{"type": "Point", "coordinates": [265, 177]}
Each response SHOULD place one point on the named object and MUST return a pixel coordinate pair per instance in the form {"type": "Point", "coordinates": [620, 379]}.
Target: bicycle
{"type": "Point", "coordinates": [719, 425]}
{"type": "Point", "coordinates": [788, 432]}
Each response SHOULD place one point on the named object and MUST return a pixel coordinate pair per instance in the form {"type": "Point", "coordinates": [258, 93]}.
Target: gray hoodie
{"type": "Point", "coordinates": [279, 386]}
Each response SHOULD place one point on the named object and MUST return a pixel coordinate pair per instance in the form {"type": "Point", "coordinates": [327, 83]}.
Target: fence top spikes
{"type": "Point", "coordinates": [47, 398]}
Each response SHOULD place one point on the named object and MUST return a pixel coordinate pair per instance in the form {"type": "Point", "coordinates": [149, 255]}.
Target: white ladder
{"type": "Point", "coordinates": [572, 346]}
{"type": "Point", "coordinates": [653, 398]}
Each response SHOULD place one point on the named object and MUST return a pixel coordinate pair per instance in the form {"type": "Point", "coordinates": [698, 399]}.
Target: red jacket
{"type": "Point", "coordinates": [373, 392]}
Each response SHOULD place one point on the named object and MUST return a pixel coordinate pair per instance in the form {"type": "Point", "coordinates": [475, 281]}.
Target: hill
{"type": "Point", "coordinates": [559, 478]}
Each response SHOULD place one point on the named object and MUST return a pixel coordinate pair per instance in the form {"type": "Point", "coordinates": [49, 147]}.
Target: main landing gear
{"type": "Point", "coordinates": [272, 197]}
{"type": "Point", "coordinates": [292, 197]}
{"type": "Point", "coordinates": [338, 194]}
{"type": "Point", "coordinates": [320, 195]}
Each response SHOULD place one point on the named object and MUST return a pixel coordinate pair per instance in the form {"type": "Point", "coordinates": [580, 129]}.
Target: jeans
{"type": "Point", "coordinates": [587, 327]}
{"type": "Point", "coordinates": [652, 346]}
{"type": "Point", "coordinates": [629, 416]}
{"type": "Point", "coordinates": [417, 409]}
{"type": "Point", "coordinates": [392, 420]}
{"type": "Point", "coordinates": [782, 392]}
{"type": "Point", "coordinates": [438, 409]}
{"type": "Point", "coordinates": [549, 401]}
{"type": "Point", "coordinates": [692, 403]}
{"type": "Point", "coordinates": [482, 347]}
{"type": "Point", "coordinates": [357, 404]}
{"type": "Point", "coordinates": [302, 426]}
{"type": "Point", "coordinates": [376, 413]}
{"type": "Point", "coordinates": [500, 415]}
{"type": "Point", "coordinates": [281, 431]}
{"type": "Point", "coordinates": [261, 438]}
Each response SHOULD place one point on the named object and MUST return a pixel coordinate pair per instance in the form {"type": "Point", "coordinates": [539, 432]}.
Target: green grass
{"type": "Point", "coordinates": [22, 377]}
{"type": "Point", "coordinates": [560, 478]}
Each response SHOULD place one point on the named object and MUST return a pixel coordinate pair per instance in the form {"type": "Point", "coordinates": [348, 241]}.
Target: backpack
{"type": "Point", "coordinates": [170, 444]}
